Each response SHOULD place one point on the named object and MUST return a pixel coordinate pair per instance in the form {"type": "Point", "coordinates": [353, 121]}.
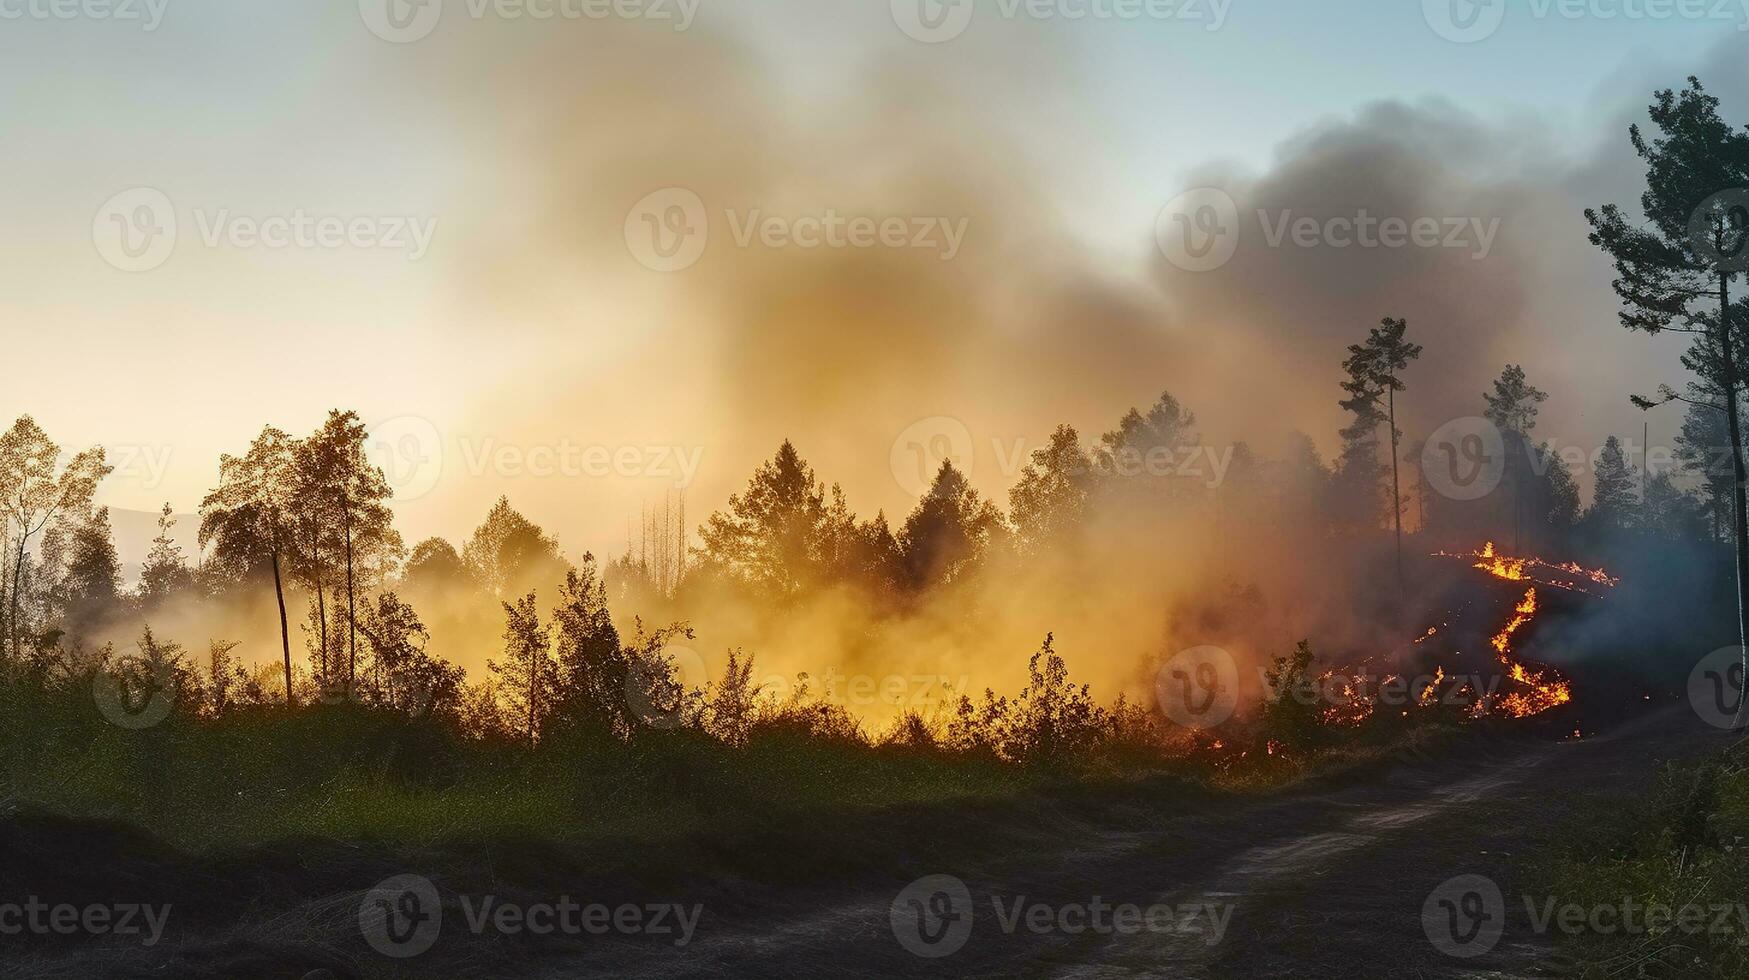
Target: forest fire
{"type": "Point", "coordinates": [1562, 575]}
{"type": "Point", "coordinates": [1350, 696]}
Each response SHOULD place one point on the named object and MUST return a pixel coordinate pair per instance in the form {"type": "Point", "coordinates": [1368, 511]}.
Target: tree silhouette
{"type": "Point", "coordinates": [949, 533]}
{"type": "Point", "coordinates": [1674, 272]}
{"type": "Point", "coordinates": [508, 554]}
{"type": "Point", "coordinates": [1612, 498]}
{"type": "Point", "coordinates": [32, 493]}
{"type": "Point", "coordinates": [1384, 354]}
{"type": "Point", "coordinates": [249, 518]}
{"type": "Point", "coordinates": [1053, 494]}
{"type": "Point", "coordinates": [1512, 407]}
{"type": "Point", "coordinates": [528, 671]}
{"type": "Point", "coordinates": [165, 572]}
{"type": "Point", "coordinates": [775, 534]}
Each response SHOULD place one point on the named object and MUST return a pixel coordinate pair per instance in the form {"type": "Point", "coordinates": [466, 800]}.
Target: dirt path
{"type": "Point", "coordinates": [1311, 885]}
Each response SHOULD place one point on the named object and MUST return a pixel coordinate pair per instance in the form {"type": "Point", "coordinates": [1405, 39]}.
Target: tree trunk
{"type": "Point", "coordinates": [533, 692]}
{"type": "Point", "coordinates": [351, 614]}
{"type": "Point", "coordinates": [1741, 478]}
{"type": "Point", "coordinates": [284, 630]}
{"type": "Point", "coordinates": [17, 587]}
{"type": "Point", "coordinates": [1396, 492]}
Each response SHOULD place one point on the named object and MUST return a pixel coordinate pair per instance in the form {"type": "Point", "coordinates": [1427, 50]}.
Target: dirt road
{"type": "Point", "coordinates": [1328, 883]}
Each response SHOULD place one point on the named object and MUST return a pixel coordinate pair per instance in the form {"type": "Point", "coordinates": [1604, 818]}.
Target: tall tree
{"type": "Point", "coordinates": [91, 574]}
{"type": "Point", "coordinates": [165, 572]}
{"type": "Point", "coordinates": [1613, 501]}
{"type": "Point", "coordinates": [775, 535]}
{"type": "Point", "coordinates": [528, 672]}
{"type": "Point", "coordinates": [949, 533]}
{"type": "Point", "coordinates": [1359, 474]}
{"type": "Point", "coordinates": [1383, 356]}
{"type": "Point", "coordinates": [1703, 449]}
{"type": "Point", "coordinates": [1512, 407]}
{"type": "Point", "coordinates": [590, 694]}
{"type": "Point", "coordinates": [1051, 499]}
{"type": "Point", "coordinates": [509, 554]}
{"type": "Point", "coordinates": [33, 492]}
{"type": "Point", "coordinates": [1674, 270]}
{"type": "Point", "coordinates": [250, 519]}
{"type": "Point", "coordinates": [352, 493]}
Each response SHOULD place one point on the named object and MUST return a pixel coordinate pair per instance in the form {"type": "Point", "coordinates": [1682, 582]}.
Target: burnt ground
{"type": "Point", "coordinates": [1326, 879]}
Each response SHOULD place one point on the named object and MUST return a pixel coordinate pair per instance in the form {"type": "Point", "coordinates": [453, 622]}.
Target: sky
{"type": "Point", "coordinates": [475, 278]}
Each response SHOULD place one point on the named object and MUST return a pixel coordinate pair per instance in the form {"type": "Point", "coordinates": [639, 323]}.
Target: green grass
{"type": "Point", "coordinates": [1683, 843]}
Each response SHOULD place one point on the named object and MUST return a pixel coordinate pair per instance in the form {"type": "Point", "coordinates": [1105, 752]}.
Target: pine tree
{"type": "Point", "coordinates": [1384, 355]}
{"type": "Point", "coordinates": [1512, 407]}
{"type": "Point", "coordinates": [774, 536]}
{"type": "Point", "coordinates": [1674, 270]}
{"type": "Point", "coordinates": [592, 669]}
{"type": "Point", "coordinates": [1613, 500]}
{"type": "Point", "coordinates": [950, 533]}
{"type": "Point", "coordinates": [1051, 499]}
{"type": "Point", "coordinates": [528, 673]}
{"type": "Point", "coordinates": [1359, 481]}
{"type": "Point", "coordinates": [165, 572]}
